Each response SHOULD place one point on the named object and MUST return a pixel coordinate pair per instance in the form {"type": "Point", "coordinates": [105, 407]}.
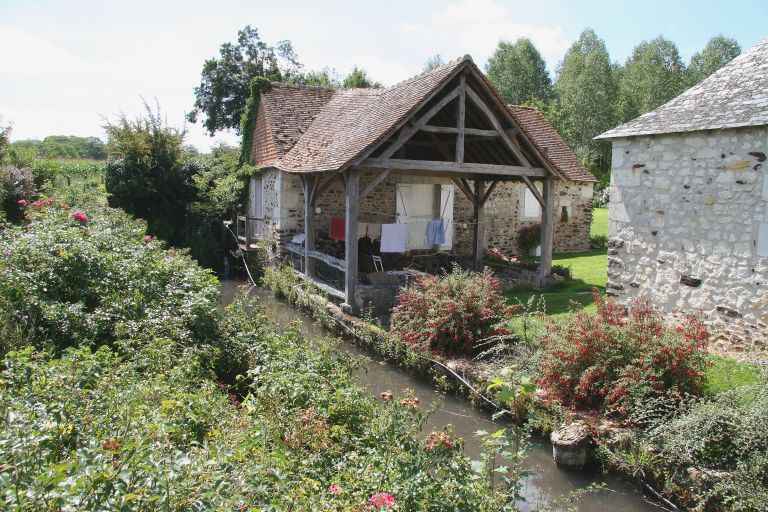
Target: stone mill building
{"type": "Point", "coordinates": [689, 204]}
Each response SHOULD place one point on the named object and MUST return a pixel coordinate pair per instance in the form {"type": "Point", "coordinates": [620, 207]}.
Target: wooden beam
{"type": "Point", "coordinates": [461, 114]}
{"type": "Point", "coordinates": [352, 197]}
{"type": "Point", "coordinates": [547, 231]}
{"type": "Point", "coordinates": [409, 131]}
{"type": "Point", "coordinates": [477, 100]}
{"type": "Point", "coordinates": [479, 219]}
{"type": "Point", "coordinates": [374, 183]}
{"type": "Point", "coordinates": [490, 190]}
{"type": "Point", "coordinates": [322, 186]}
{"type": "Point", "coordinates": [453, 130]}
{"type": "Point", "coordinates": [534, 190]}
{"type": "Point", "coordinates": [453, 167]}
{"type": "Point", "coordinates": [465, 189]}
{"type": "Point", "coordinates": [310, 185]}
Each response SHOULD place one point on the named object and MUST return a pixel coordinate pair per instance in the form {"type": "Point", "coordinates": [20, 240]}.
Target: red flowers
{"type": "Point", "coordinates": [334, 489]}
{"type": "Point", "coordinates": [22, 202]}
{"type": "Point", "coordinates": [80, 217]}
{"type": "Point", "coordinates": [382, 500]}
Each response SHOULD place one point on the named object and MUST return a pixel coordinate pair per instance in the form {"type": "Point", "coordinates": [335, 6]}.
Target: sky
{"type": "Point", "coordinates": [68, 66]}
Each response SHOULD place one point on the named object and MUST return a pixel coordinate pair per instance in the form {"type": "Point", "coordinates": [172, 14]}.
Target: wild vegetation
{"type": "Point", "coordinates": [62, 147]}
{"type": "Point", "coordinates": [125, 386]}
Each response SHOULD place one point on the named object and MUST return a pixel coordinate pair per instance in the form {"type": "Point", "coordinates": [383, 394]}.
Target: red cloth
{"type": "Point", "coordinates": [337, 228]}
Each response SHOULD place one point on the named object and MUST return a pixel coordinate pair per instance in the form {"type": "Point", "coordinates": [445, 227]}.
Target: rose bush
{"type": "Point", "coordinates": [610, 358]}
{"type": "Point", "coordinates": [451, 313]}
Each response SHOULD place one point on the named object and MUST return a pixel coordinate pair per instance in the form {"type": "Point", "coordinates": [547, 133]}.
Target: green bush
{"type": "Point", "coordinates": [16, 190]}
{"type": "Point", "coordinates": [451, 313]}
{"type": "Point", "coordinates": [724, 442]}
{"type": "Point", "coordinates": [96, 282]}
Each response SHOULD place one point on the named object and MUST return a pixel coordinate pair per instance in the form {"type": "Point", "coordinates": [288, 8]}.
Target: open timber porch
{"type": "Point", "coordinates": [460, 132]}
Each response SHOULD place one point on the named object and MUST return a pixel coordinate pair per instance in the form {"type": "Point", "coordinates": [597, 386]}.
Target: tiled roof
{"type": "Point", "coordinates": [549, 143]}
{"type": "Point", "coordinates": [314, 129]}
{"type": "Point", "coordinates": [735, 95]}
{"type": "Point", "coordinates": [356, 119]}
{"type": "Point", "coordinates": [288, 110]}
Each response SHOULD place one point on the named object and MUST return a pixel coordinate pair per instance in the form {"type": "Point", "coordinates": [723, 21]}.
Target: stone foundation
{"type": "Point", "coordinates": [689, 229]}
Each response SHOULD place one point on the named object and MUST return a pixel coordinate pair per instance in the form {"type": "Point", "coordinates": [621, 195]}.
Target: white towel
{"type": "Point", "coordinates": [394, 237]}
{"type": "Point", "coordinates": [417, 234]}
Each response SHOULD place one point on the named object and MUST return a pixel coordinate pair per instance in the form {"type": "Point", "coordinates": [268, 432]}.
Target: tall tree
{"type": "Point", "coordinates": [358, 78]}
{"type": "Point", "coordinates": [718, 52]}
{"type": "Point", "coordinates": [5, 136]}
{"type": "Point", "coordinates": [225, 80]}
{"type": "Point", "coordinates": [586, 90]}
{"type": "Point", "coordinates": [653, 75]}
{"type": "Point", "coordinates": [433, 62]}
{"type": "Point", "coordinates": [519, 73]}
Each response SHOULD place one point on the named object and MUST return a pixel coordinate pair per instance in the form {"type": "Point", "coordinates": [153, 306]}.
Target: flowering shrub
{"type": "Point", "coordinates": [80, 217]}
{"type": "Point", "coordinates": [611, 358]}
{"type": "Point", "coordinates": [528, 238]}
{"type": "Point", "coordinates": [450, 313]}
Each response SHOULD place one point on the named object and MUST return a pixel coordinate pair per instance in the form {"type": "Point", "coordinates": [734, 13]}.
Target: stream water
{"type": "Point", "coordinates": [546, 481]}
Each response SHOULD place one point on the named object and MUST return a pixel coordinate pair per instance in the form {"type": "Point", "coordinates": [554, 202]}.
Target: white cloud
{"type": "Point", "coordinates": [476, 26]}
{"type": "Point", "coordinates": [31, 54]}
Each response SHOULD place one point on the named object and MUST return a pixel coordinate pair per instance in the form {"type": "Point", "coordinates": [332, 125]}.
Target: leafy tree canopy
{"type": "Point", "coordinates": [653, 75]}
{"type": "Point", "coordinates": [586, 89]}
{"type": "Point", "coordinates": [358, 78]}
{"type": "Point", "coordinates": [63, 146]}
{"type": "Point", "coordinates": [519, 73]}
{"type": "Point", "coordinates": [225, 80]}
{"type": "Point", "coordinates": [433, 62]}
{"type": "Point", "coordinates": [718, 52]}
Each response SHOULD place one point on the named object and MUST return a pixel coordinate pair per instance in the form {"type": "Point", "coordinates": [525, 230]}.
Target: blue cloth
{"type": "Point", "coordinates": [436, 232]}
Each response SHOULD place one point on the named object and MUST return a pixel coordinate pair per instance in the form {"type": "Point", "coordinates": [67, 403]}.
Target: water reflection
{"type": "Point", "coordinates": [545, 482]}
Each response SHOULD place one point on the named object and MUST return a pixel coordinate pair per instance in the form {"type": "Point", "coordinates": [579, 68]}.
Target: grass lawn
{"type": "Point", "coordinates": [588, 271]}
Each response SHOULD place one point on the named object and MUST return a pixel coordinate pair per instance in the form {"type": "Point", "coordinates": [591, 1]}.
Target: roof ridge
{"type": "Point", "coordinates": [441, 67]}
{"type": "Point", "coordinates": [288, 85]}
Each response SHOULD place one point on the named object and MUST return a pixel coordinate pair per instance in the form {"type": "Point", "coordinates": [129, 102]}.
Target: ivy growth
{"type": "Point", "coordinates": [258, 85]}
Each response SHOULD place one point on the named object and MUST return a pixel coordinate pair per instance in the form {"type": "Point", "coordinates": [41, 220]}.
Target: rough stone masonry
{"type": "Point", "coordinates": [689, 229]}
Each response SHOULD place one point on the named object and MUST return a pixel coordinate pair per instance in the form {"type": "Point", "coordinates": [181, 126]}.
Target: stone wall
{"type": "Point", "coordinates": [286, 204]}
{"type": "Point", "coordinates": [686, 216]}
{"type": "Point", "coordinates": [504, 217]}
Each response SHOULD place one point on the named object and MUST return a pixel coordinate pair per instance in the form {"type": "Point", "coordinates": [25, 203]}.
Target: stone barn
{"type": "Point", "coordinates": [689, 204]}
{"type": "Point", "coordinates": [436, 164]}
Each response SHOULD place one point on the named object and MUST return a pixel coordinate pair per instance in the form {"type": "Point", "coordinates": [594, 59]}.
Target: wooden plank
{"type": "Point", "coordinates": [329, 260]}
{"type": "Point", "coordinates": [547, 231]}
{"type": "Point", "coordinates": [375, 183]}
{"type": "Point", "coordinates": [463, 186]}
{"type": "Point", "coordinates": [477, 100]}
{"type": "Point", "coordinates": [310, 187]}
{"type": "Point", "coordinates": [409, 131]}
{"type": "Point", "coordinates": [330, 290]}
{"type": "Point", "coordinates": [534, 190]}
{"type": "Point", "coordinates": [453, 130]}
{"type": "Point", "coordinates": [453, 167]}
{"type": "Point", "coordinates": [352, 198]}
{"type": "Point", "coordinates": [461, 119]}
{"type": "Point", "coordinates": [477, 231]}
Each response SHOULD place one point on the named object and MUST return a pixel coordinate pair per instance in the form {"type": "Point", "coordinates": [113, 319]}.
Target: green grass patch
{"type": "Point", "coordinates": [599, 222]}
{"type": "Point", "coordinates": [588, 271]}
{"type": "Point", "coordinates": [725, 374]}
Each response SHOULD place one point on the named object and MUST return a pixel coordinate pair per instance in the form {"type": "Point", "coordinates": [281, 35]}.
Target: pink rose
{"type": "Point", "coordinates": [382, 500]}
{"type": "Point", "coordinates": [80, 217]}
{"type": "Point", "coordinates": [22, 202]}
{"type": "Point", "coordinates": [148, 238]}
{"type": "Point", "coordinates": [334, 489]}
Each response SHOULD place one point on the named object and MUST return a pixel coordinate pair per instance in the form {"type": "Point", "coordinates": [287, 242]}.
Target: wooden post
{"type": "Point", "coordinates": [547, 231]}
{"type": "Point", "coordinates": [309, 228]}
{"type": "Point", "coordinates": [460, 120]}
{"type": "Point", "coordinates": [437, 203]}
{"type": "Point", "coordinates": [478, 231]}
{"type": "Point", "coordinates": [352, 195]}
